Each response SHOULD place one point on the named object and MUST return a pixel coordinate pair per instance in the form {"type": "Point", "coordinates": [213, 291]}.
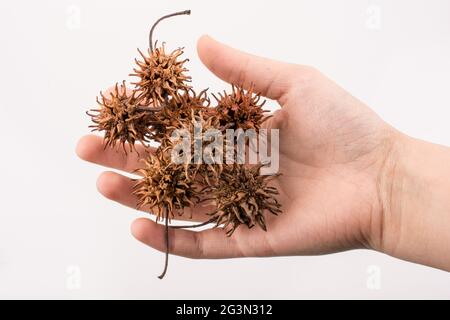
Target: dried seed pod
{"type": "Point", "coordinates": [120, 118]}
{"type": "Point", "coordinates": [242, 196]}
{"type": "Point", "coordinates": [240, 109]}
{"type": "Point", "coordinates": [165, 185]}
{"type": "Point", "coordinates": [179, 107]}
{"type": "Point", "coordinates": [160, 75]}
{"type": "Point", "coordinates": [190, 145]}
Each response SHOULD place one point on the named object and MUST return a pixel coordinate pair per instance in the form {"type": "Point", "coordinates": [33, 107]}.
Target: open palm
{"type": "Point", "coordinates": [333, 151]}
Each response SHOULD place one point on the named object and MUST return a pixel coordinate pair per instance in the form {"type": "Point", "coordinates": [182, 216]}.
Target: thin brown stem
{"type": "Point", "coordinates": [150, 37]}
{"type": "Point", "coordinates": [166, 232]}
{"type": "Point", "coordinates": [195, 225]}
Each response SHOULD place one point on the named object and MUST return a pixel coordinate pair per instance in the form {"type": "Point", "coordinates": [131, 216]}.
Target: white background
{"type": "Point", "coordinates": [60, 239]}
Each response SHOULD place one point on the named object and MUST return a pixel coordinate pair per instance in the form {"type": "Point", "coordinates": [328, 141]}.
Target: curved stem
{"type": "Point", "coordinates": [150, 37]}
{"type": "Point", "coordinates": [195, 225]}
{"type": "Point", "coordinates": [166, 263]}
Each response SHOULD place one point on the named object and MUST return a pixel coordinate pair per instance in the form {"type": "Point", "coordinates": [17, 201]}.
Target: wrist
{"type": "Point", "coordinates": [414, 193]}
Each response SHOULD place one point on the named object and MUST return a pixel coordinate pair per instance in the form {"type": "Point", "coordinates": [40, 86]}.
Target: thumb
{"type": "Point", "coordinates": [271, 78]}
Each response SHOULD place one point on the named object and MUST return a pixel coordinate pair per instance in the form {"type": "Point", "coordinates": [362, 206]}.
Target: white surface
{"type": "Point", "coordinates": [60, 239]}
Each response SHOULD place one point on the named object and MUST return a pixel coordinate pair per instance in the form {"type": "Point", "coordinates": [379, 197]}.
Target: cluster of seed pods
{"type": "Point", "coordinates": [163, 101]}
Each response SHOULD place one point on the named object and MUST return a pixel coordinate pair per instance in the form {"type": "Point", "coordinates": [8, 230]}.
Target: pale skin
{"type": "Point", "coordinates": [349, 180]}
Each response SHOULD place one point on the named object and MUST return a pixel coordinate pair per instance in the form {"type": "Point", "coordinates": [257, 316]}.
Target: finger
{"type": "Point", "coordinates": [208, 244]}
{"type": "Point", "coordinates": [91, 148]}
{"type": "Point", "coordinates": [271, 78]}
{"type": "Point", "coordinates": [119, 188]}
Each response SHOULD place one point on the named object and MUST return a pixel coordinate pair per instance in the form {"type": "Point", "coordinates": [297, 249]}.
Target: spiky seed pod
{"type": "Point", "coordinates": [160, 75]}
{"type": "Point", "coordinates": [179, 107]}
{"type": "Point", "coordinates": [242, 196]}
{"type": "Point", "coordinates": [240, 109]}
{"type": "Point", "coordinates": [120, 118]}
{"type": "Point", "coordinates": [164, 185]}
{"type": "Point", "coordinates": [202, 126]}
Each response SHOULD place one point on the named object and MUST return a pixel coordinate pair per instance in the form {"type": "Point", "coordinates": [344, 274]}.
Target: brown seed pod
{"type": "Point", "coordinates": [180, 107]}
{"type": "Point", "coordinates": [160, 75]}
{"type": "Point", "coordinates": [242, 196]}
{"type": "Point", "coordinates": [240, 109]}
{"type": "Point", "coordinates": [165, 185]}
{"type": "Point", "coordinates": [195, 156]}
{"type": "Point", "coordinates": [120, 118]}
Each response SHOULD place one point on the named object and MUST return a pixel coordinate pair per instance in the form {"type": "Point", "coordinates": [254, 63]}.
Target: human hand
{"type": "Point", "coordinates": [336, 160]}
